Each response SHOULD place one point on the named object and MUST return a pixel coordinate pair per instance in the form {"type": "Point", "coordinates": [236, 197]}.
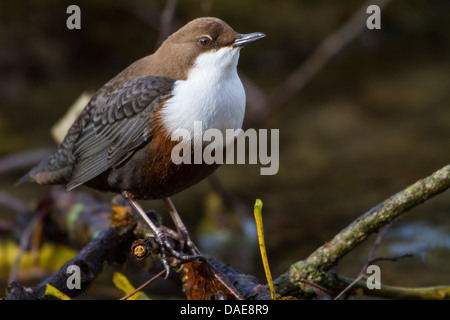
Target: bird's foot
{"type": "Point", "coordinates": [186, 243]}
{"type": "Point", "coordinates": [159, 243]}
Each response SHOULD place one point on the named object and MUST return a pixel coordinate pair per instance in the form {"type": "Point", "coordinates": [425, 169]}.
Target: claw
{"type": "Point", "coordinates": [164, 243]}
{"type": "Point", "coordinates": [165, 262]}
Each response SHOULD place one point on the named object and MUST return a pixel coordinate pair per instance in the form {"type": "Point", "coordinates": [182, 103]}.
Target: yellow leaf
{"type": "Point", "coordinates": [52, 291]}
{"type": "Point", "coordinates": [60, 129]}
{"type": "Point", "coordinates": [257, 210]}
{"type": "Point", "coordinates": [122, 283]}
{"type": "Point", "coordinates": [53, 256]}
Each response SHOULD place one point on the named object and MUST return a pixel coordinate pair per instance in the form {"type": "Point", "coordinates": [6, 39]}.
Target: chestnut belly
{"type": "Point", "coordinates": [151, 174]}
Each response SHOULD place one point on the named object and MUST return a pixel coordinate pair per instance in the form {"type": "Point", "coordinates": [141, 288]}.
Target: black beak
{"type": "Point", "coordinates": [244, 39]}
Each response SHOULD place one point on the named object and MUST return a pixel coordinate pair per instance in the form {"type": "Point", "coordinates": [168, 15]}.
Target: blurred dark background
{"type": "Point", "coordinates": [375, 119]}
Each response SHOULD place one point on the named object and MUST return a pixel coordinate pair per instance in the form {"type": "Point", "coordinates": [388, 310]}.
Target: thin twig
{"type": "Point", "coordinates": [406, 255]}
{"type": "Point", "coordinates": [375, 246]}
{"type": "Point", "coordinates": [394, 292]}
{"type": "Point", "coordinates": [165, 25]}
{"type": "Point", "coordinates": [379, 216]}
{"type": "Point", "coordinates": [348, 287]}
{"type": "Point", "coordinates": [317, 288]}
{"type": "Point", "coordinates": [142, 286]}
{"type": "Point", "coordinates": [23, 160]}
{"type": "Point", "coordinates": [9, 201]}
{"type": "Point", "coordinates": [25, 240]}
{"type": "Point", "coordinates": [369, 260]}
{"type": "Point", "coordinates": [334, 43]}
{"type": "Point", "coordinates": [325, 257]}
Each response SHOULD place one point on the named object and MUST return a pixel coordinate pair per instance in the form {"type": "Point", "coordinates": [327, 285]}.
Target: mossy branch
{"type": "Point", "coordinates": [395, 292]}
{"type": "Point", "coordinates": [316, 267]}
{"type": "Point", "coordinates": [298, 281]}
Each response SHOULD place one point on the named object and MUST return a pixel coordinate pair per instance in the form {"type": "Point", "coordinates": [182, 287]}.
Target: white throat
{"type": "Point", "coordinates": [212, 94]}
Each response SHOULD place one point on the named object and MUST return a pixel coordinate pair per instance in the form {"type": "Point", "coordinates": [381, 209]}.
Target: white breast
{"type": "Point", "coordinates": [212, 94]}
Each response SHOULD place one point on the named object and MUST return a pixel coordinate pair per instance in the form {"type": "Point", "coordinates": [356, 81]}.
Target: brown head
{"type": "Point", "coordinates": [201, 35]}
{"type": "Point", "coordinates": [178, 52]}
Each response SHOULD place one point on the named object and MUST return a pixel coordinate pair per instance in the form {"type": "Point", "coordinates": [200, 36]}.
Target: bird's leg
{"type": "Point", "coordinates": [158, 235]}
{"type": "Point", "coordinates": [181, 228]}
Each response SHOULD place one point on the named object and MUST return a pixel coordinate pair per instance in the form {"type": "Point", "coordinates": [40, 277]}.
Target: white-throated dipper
{"type": "Point", "coordinates": [121, 141]}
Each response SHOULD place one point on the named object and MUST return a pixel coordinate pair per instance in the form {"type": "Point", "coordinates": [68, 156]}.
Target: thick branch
{"type": "Point", "coordinates": [315, 267]}
{"type": "Point", "coordinates": [111, 245]}
{"type": "Point", "coordinates": [80, 217]}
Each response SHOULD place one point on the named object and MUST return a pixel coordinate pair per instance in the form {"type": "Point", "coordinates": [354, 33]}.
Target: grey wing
{"type": "Point", "coordinates": [118, 128]}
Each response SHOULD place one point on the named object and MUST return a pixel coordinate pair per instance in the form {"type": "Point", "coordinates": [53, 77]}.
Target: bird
{"type": "Point", "coordinates": [121, 141]}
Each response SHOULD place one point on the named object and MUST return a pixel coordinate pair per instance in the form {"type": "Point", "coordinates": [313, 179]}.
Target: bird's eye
{"type": "Point", "coordinates": [205, 41]}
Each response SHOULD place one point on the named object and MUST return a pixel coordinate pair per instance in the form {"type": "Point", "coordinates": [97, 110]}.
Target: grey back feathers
{"type": "Point", "coordinates": [108, 131]}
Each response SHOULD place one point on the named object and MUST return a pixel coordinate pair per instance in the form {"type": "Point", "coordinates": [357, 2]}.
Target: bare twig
{"type": "Point", "coordinates": [315, 269]}
{"type": "Point", "coordinates": [142, 286]}
{"type": "Point", "coordinates": [23, 160]}
{"type": "Point", "coordinates": [394, 292]}
{"type": "Point", "coordinates": [354, 282]}
{"type": "Point", "coordinates": [375, 246]}
{"type": "Point", "coordinates": [371, 261]}
{"type": "Point", "coordinates": [150, 15]}
{"type": "Point", "coordinates": [165, 25]}
{"type": "Point", "coordinates": [26, 238]}
{"type": "Point", "coordinates": [265, 106]}
{"type": "Point", "coordinates": [316, 266]}
{"type": "Point", "coordinates": [406, 255]}
{"type": "Point", "coordinates": [9, 201]}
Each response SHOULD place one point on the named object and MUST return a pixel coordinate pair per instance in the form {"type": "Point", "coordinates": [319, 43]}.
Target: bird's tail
{"type": "Point", "coordinates": [55, 169]}
{"type": "Point", "coordinates": [41, 174]}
